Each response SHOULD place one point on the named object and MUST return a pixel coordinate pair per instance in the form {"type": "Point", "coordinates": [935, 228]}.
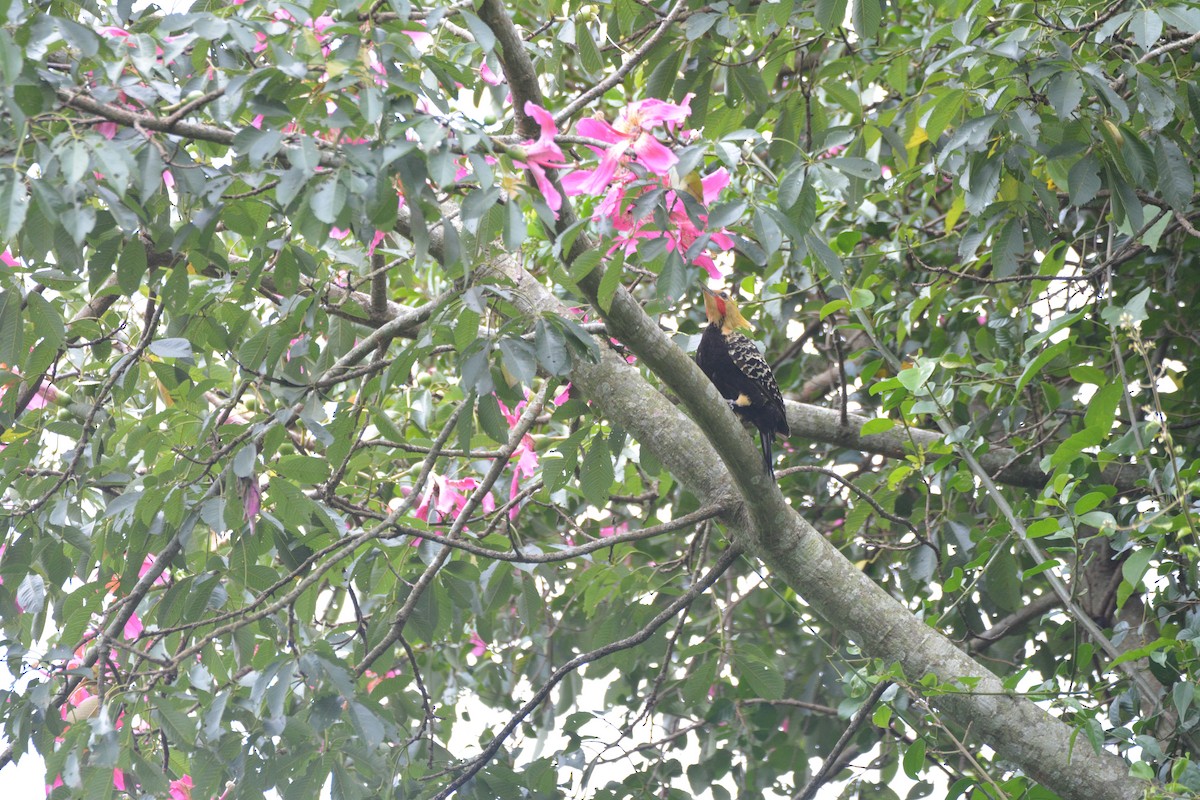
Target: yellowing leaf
{"type": "Point", "coordinates": [956, 209]}
{"type": "Point", "coordinates": [1009, 188]}
{"type": "Point", "coordinates": [918, 138]}
{"type": "Point", "coordinates": [165, 394]}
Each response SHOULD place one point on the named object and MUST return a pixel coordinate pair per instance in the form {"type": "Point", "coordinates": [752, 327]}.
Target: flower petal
{"type": "Point", "coordinates": [713, 183]}
{"type": "Point", "coordinates": [598, 129]}
{"type": "Point", "coordinates": [657, 157]}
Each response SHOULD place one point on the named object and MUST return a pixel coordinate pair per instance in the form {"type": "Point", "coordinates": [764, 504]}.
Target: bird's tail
{"type": "Point", "coordinates": [766, 438]}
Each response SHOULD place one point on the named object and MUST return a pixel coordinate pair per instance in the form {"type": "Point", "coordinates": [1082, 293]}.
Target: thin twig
{"type": "Point", "coordinates": [856, 722]}
{"type": "Point", "coordinates": [726, 560]}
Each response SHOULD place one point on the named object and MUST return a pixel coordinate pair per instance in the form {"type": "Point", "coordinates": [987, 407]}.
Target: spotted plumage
{"type": "Point", "coordinates": [743, 377]}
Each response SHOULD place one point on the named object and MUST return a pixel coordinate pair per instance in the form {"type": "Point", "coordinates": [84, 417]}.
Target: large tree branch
{"type": "Point", "coordinates": [825, 425]}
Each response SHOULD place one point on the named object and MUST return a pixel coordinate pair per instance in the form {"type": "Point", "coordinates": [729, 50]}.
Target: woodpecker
{"type": "Point", "coordinates": [740, 373]}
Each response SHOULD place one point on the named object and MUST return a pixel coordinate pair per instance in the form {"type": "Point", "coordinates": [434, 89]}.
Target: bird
{"type": "Point", "coordinates": [732, 362]}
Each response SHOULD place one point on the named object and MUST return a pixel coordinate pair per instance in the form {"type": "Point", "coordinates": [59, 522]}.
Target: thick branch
{"type": "Point", "coordinates": [825, 425]}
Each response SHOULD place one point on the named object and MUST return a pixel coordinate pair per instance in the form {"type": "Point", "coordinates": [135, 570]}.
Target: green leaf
{"type": "Point", "coordinates": [1084, 180]}
{"type": "Point", "coordinates": [1175, 181]}
{"type": "Point", "coordinates": [12, 332]}
{"type": "Point", "coordinates": [1065, 91]}
{"type": "Point", "coordinates": [589, 55]}
{"type": "Point", "coordinates": [482, 33]}
{"type": "Point", "coordinates": [328, 200]}
{"type": "Point", "coordinates": [1085, 373]}
{"type": "Point", "coordinates": [855, 167]}
{"type": "Point", "coordinates": [491, 418]}
{"type": "Point", "coordinates": [947, 108]}
{"type": "Point", "coordinates": [1043, 358]}
{"type": "Point", "coordinates": [174, 347]}
{"type": "Point", "coordinates": [877, 425]}
{"type": "Point", "coordinates": [1136, 565]}
{"type": "Point", "coordinates": [253, 351]}
{"type": "Point", "coordinates": [31, 594]}
{"type": "Point", "coordinates": [180, 727]}
{"type": "Point", "coordinates": [587, 261]}
{"type": "Point", "coordinates": [831, 14]}
{"type": "Point", "coordinates": [552, 351]}
{"type": "Point", "coordinates": [674, 280]}
{"type": "Point", "coordinates": [368, 725]}
{"type": "Point", "coordinates": [662, 78]}
{"type": "Point", "coordinates": [609, 284]}
{"type": "Point", "coordinates": [1008, 245]}
{"type": "Point", "coordinates": [48, 323]}
{"type": "Point", "coordinates": [1147, 27]}
{"type": "Point", "coordinates": [762, 677]}
{"type": "Point", "coordinates": [596, 474]}
{"type": "Point", "coordinates": [304, 470]}
{"type": "Point", "coordinates": [466, 328]}
{"type": "Point", "coordinates": [14, 205]}
{"type": "Point", "coordinates": [1042, 527]}
{"type": "Point", "coordinates": [581, 340]}
{"type": "Point", "coordinates": [915, 377]}
{"type": "Point", "coordinates": [833, 306]}
{"type": "Point", "coordinates": [699, 680]}
{"type": "Point", "coordinates": [914, 759]}
{"type": "Point", "coordinates": [520, 359]}
{"type": "Point", "coordinates": [699, 24]}
{"type": "Point", "coordinates": [1002, 582]}
{"type": "Point", "coordinates": [1101, 412]}
{"type": "Point", "coordinates": [749, 79]}
{"type": "Point", "coordinates": [866, 16]}
{"type": "Point", "coordinates": [825, 255]}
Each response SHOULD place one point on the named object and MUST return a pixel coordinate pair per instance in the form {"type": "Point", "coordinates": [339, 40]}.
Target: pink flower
{"type": "Point", "coordinates": [376, 240]}
{"type": "Point", "coordinates": [525, 454]}
{"type": "Point", "coordinates": [251, 502]}
{"type": "Point", "coordinates": [614, 530]}
{"type": "Point", "coordinates": [118, 779]}
{"type": "Point", "coordinates": [420, 38]}
{"type": "Point", "coordinates": [479, 646]}
{"type": "Point", "coordinates": [448, 497]}
{"type": "Point", "coordinates": [489, 77]}
{"type": "Point", "coordinates": [632, 131]}
{"type": "Point", "coordinates": [374, 680]}
{"type": "Point", "coordinates": [147, 564]}
{"type": "Point", "coordinates": [133, 627]}
{"type": "Point", "coordinates": [6, 258]}
{"type": "Point", "coordinates": [526, 467]}
{"type": "Point", "coordinates": [181, 789]}
{"type": "Point", "coordinates": [683, 231]}
{"type": "Point", "coordinates": [542, 154]}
